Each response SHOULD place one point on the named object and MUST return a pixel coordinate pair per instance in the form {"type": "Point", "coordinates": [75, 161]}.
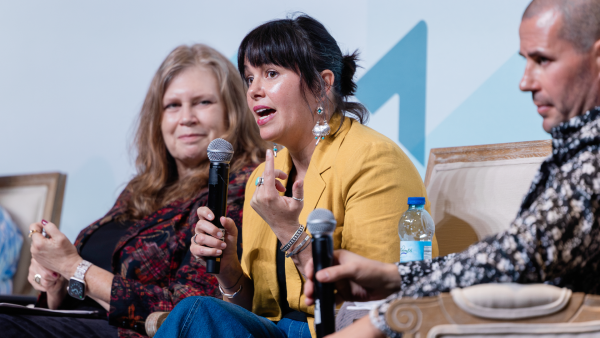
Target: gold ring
{"type": "Point", "coordinates": [38, 278]}
{"type": "Point", "coordinates": [31, 233]}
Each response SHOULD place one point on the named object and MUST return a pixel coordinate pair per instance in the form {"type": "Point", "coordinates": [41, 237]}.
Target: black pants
{"type": "Point", "coordinates": [24, 326]}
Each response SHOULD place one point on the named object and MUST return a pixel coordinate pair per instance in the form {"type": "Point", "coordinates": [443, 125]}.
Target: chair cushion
{"type": "Point", "coordinates": [511, 301]}
{"type": "Point", "coordinates": [473, 200]}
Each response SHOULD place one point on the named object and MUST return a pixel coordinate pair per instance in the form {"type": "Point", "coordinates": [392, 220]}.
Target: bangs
{"type": "Point", "coordinates": [277, 43]}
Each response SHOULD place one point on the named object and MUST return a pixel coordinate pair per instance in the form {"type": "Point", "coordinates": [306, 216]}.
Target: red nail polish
{"type": "Point", "coordinates": [44, 222]}
{"type": "Point", "coordinates": [55, 274]}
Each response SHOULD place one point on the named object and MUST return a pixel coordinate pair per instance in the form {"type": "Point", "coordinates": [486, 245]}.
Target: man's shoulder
{"type": "Point", "coordinates": [583, 169]}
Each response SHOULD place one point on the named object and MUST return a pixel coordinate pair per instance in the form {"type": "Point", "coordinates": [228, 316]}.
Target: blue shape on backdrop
{"type": "Point", "coordinates": [402, 71]}
{"type": "Point", "coordinates": [497, 112]}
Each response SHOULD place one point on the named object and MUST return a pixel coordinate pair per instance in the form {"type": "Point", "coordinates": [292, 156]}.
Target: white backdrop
{"type": "Point", "coordinates": [73, 76]}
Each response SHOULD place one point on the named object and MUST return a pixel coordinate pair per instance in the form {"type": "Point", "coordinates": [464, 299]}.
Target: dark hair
{"type": "Point", "coordinates": [303, 45]}
{"type": "Point", "coordinates": [581, 20]}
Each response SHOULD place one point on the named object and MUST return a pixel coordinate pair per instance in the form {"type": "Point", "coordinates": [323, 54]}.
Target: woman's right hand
{"type": "Point", "coordinates": [50, 282]}
{"type": "Point", "coordinates": [208, 243]}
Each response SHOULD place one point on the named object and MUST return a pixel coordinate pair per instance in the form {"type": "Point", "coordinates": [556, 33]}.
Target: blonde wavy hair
{"type": "Point", "coordinates": [156, 183]}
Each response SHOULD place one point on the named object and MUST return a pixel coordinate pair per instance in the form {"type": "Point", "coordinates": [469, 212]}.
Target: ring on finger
{"type": "Point", "coordinates": [194, 239]}
{"type": "Point", "coordinates": [259, 181]}
{"type": "Point", "coordinates": [298, 199]}
{"type": "Point", "coordinates": [38, 278]}
{"type": "Point", "coordinates": [31, 233]}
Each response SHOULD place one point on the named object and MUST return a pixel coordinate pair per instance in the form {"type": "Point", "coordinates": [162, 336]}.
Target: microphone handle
{"type": "Point", "coordinates": [322, 252]}
{"type": "Point", "coordinates": [218, 183]}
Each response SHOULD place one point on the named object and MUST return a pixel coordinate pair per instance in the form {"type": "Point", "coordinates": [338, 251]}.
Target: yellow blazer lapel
{"type": "Point", "coordinates": [322, 159]}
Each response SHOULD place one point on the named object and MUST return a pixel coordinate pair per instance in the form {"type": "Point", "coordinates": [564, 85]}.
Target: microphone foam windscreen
{"type": "Point", "coordinates": [320, 221]}
{"type": "Point", "coordinates": [220, 150]}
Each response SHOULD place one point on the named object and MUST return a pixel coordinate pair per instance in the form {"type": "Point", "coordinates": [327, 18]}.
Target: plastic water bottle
{"type": "Point", "coordinates": [416, 231]}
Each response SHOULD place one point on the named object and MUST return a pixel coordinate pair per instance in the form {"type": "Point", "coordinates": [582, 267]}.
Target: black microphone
{"type": "Point", "coordinates": [321, 225]}
{"type": "Point", "coordinates": [220, 153]}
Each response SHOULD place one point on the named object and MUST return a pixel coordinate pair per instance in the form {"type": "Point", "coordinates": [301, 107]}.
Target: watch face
{"type": "Point", "coordinates": [76, 289]}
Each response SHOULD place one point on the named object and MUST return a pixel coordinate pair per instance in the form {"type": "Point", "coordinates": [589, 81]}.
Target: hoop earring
{"type": "Point", "coordinates": [321, 130]}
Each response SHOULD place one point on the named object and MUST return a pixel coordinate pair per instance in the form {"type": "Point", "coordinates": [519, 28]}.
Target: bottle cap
{"type": "Point", "coordinates": [416, 201]}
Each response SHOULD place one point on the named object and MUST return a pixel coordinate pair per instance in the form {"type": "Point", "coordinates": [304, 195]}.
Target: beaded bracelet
{"type": "Point", "coordinates": [294, 239]}
{"type": "Point", "coordinates": [299, 248]}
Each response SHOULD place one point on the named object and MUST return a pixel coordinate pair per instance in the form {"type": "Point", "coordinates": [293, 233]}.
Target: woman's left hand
{"type": "Point", "coordinates": [278, 211]}
{"type": "Point", "coordinates": [56, 253]}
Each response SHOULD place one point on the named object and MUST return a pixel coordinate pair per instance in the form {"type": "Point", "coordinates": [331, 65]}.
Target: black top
{"type": "Point", "coordinates": [98, 250]}
{"type": "Point", "coordinates": [286, 311]}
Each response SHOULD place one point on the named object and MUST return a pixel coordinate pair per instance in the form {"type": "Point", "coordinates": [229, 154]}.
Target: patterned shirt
{"type": "Point", "coordinates": [10, 249]}
{"type": "Point", "coordinates": [555, 238]}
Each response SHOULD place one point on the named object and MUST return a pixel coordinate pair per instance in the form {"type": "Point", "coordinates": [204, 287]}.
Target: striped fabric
{"type": "Point", "coordinates": [10, 247]}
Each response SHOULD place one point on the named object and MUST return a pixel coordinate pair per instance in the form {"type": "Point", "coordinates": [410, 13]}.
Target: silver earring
{"type": "Point", "coordinates": [321, 130]}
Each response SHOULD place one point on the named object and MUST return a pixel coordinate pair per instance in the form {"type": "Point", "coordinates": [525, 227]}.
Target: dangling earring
{"type": "Point", "coordinates": [275, 149]}
{"type": "Point", "coordinates": [321, 130]}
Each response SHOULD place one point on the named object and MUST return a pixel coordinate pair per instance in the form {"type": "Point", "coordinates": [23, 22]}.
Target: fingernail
{"type": "Point", "coordinates": [44, 222]}
{"type": "Point", "coordinates": [223, 245]}
{"type": "Point", "coordinates": [219, 252]}
{"type": "Point", "coordinates": [54, 274]}
{"type": "Point", "coordinates": [219, 234]}
{"type": "Point", "coordinates": [211, 216]}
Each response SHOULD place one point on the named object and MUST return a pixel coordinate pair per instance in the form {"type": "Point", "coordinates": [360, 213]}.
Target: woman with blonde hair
{"type": "Point", "coordinates": [136, 259]}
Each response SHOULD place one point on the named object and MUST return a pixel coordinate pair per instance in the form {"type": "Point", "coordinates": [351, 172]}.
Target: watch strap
{"type": "Point", "coordinates": [82, 268]}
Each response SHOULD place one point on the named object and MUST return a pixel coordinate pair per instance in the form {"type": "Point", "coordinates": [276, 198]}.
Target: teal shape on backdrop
{"type": "Point", "coordinates": [497, 112]}
{"type": "Point", "coordinates": [402, 71]}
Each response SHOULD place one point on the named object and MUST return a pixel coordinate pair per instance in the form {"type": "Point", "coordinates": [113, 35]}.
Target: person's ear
{"type": "Point", "coordinates": [596, 56]}
{"type": "Point", "coordinates": [328, 79]}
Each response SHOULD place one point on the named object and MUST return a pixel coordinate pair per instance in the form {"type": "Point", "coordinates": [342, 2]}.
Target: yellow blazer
{"type": "Point", "coordinates": [365, 179]}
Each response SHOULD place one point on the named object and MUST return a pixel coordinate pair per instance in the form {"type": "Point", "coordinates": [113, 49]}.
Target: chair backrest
{"type": "Point", "coordinates": [476, 191]}
{"type": "Point", "coordinates": [29, 199]}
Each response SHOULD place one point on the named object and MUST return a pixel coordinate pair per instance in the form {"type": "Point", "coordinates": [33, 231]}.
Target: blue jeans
{"type": "Point", "coordinates": [197, 317]}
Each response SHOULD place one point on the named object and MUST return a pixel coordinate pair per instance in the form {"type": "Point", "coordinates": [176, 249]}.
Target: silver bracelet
{"type": "Point", "coordinates": [299, 248]}
{"type": "Point", "coordinates": [230, 295]}
{"type": "Point", "coordinates": [294, 238]}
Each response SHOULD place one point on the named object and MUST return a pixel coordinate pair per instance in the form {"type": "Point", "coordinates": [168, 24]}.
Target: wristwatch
{"type": "Point", "coordinates": [76, 288]}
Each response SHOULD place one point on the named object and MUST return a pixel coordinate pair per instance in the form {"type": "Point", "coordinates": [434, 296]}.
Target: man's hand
{"type": "Point", "coordinates": [356, 278]}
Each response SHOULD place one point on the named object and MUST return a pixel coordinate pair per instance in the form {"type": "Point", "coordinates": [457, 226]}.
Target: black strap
{"type": "Point", "coordinates": [286, 311]}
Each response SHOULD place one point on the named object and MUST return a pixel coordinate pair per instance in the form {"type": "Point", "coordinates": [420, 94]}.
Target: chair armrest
{"type": "Point", "coordinates": [154, 321]}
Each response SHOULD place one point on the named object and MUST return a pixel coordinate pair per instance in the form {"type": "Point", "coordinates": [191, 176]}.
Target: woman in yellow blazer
{"type": "Point", "coordinates": [298, 88]}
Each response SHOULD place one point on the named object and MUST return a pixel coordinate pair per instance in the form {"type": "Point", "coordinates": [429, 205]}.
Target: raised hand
{"type": "Point", "coordinates": [278, 211]}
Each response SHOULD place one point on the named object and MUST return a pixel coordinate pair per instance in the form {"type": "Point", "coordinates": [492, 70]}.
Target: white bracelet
{"type": "Point", "coordinates": [294, 238]}
{"type": "Point", "coordinates": [299, 248]}
{"type": "Point", "coordinates": [230, 295]}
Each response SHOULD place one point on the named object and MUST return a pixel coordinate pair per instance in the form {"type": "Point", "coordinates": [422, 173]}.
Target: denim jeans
{"type": "Point", "coordinates": [197, 317]}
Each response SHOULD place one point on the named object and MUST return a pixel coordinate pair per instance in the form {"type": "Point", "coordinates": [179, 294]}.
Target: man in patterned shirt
{"type": "Point", "coordinates": [555, 238]}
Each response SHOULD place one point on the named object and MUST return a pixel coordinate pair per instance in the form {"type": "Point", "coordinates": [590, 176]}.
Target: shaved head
{"type": "Point", "coordinates": [581, 20]}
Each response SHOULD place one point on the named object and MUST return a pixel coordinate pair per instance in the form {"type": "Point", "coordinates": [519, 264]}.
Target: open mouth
{"type": "Point", "coordinates": [265, 115]}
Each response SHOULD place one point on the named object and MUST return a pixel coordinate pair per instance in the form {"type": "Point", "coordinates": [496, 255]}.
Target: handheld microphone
{"type": "Point", "coordinates": [321, 225]}
{"type": "Point", "coordinates": [220, 153]}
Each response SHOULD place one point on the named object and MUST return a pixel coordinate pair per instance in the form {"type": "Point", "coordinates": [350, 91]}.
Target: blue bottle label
{"type": "Point", "coordinates": [414, 251]}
